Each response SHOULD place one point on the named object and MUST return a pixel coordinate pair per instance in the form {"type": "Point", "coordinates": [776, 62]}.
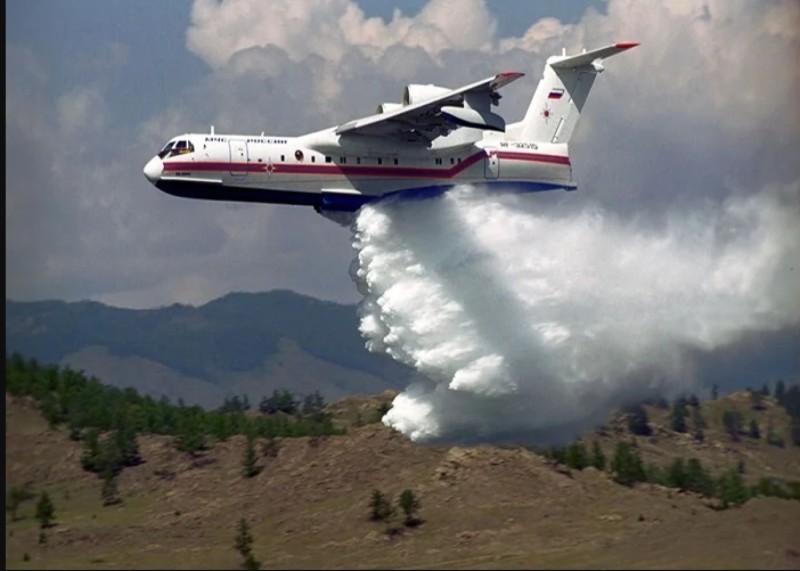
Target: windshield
{"type": "Point", "coordinates": [173, 148]}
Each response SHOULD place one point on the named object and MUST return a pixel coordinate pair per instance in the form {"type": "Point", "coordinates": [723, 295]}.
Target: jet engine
{"type": "Point", "coordinates": [386, 107]}
{"type": "Point", "coordinates": [416, 93]}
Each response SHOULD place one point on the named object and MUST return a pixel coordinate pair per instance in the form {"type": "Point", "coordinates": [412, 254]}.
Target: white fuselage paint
{"type": "Point", "coordinates": [322, 171]}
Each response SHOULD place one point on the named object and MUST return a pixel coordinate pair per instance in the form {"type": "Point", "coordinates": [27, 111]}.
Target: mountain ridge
{"type": "Point", "coordinates": [238, 334]}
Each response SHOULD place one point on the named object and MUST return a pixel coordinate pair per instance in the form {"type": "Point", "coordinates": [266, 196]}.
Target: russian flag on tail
{"type": "Point", "coordinates": [555, 93]}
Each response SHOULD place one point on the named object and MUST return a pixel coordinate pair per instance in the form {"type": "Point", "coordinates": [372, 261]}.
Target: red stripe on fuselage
{"type": "Point", "coordinates": [359, 170]}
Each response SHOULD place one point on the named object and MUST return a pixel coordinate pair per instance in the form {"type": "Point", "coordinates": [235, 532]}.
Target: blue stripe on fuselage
{"type": "Point", "coordinates": [330, 200]}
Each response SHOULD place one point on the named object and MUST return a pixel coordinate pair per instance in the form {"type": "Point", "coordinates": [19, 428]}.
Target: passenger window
{"type": "Point", "coordinates": [327, 159]}
{"type": "Point", "coordinates": [380, 161]}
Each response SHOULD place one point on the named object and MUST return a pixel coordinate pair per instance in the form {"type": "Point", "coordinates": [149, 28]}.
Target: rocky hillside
{"type": "Point", "coordinates": [481, 507]}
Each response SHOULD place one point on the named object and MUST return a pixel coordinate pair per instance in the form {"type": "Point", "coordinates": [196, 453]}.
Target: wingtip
{"type": "Point", "coordinates": [510, 74]}
{"type": "Point", "coordinates": [626, 45]}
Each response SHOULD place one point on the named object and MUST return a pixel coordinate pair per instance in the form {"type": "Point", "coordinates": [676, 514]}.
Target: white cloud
{"type": "Point", "coordinates": [327, 28]}
{"type": "Point", "coordinates": [81, 109]}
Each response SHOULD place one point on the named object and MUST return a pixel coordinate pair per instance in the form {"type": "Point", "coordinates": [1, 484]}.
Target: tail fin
{"type": "Point", "coordinates": [556, 105]}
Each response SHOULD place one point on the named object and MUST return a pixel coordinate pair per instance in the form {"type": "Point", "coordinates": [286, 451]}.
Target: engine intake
{"type": "Point", "coordinates": [386, 107]}
{"type": "Point", "coordinates": [415, 93]}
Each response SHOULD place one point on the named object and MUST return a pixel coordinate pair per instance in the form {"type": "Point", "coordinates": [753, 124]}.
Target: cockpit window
{"type": "Point", "coordinates": [165, 151]}
{"type": "Point", "coordinates": [176, 148]}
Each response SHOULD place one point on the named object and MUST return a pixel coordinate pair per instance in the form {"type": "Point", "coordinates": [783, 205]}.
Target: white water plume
{"type": "Point", "coordinates": [534, 325]}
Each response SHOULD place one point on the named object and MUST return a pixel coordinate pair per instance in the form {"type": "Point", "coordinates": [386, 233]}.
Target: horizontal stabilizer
{"type": "Point", "coordinates": [586, 58]}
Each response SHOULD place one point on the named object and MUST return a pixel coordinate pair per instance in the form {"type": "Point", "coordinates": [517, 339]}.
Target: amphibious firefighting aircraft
{"type": "Point", "coordinates": [435, 139]}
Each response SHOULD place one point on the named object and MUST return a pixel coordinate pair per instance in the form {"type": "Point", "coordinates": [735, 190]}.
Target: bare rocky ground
{"type": "Point", "coordinates": [483, 507]}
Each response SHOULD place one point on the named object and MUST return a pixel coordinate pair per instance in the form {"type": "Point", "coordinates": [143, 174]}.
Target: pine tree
{"type": "Point", "coordinates": [676, 474]}
{"type": "Point", "coordinates": [627, 465]}
{"type": "Point", "coordinates": [576, 457]}
{"type": "Point", "coordinates": [380, 507]}
{"type": "Point", "coordinates": [732, 491]}
{"type": "Point", "coordinates": [678, 415]}
{"type": "Point", "coordinates": [249, 466]}
{"type": "Point", "coordinates": [697, 479]}
{"type": "Point", "coordinates": [410, 505]}
{"type": "Point", "coordinates": [244, 545]}
{"type": "Point", "coordinates": [732, 420]}
{"type": "Point", "coordinates": [598, 458]}
{"type": "Point", "coordinates": [45, 511]}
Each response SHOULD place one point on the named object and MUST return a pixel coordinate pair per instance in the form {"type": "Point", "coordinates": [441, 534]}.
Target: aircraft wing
{"type": "Point", "coordinates": [424, 121]}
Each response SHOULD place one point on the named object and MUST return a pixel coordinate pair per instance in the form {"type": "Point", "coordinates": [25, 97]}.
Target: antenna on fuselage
{"type": "Point", "coordinates": [212, 129]}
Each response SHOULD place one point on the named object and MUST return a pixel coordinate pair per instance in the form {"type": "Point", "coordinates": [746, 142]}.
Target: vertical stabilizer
{"type": "Point", "coordinates": [559, 98]}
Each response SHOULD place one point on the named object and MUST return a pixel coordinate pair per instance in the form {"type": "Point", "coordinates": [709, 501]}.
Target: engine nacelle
{"type": "Point", "coordinates": [386, 107]}
{"type": "Point", "coordinates": [416, 93]}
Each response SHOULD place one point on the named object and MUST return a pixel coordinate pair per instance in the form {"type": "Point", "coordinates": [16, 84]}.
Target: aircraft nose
{"type": "Point", "coordinates": [153, 169]}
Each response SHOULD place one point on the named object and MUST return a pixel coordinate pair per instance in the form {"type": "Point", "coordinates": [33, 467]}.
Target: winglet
{"type": "Point", "coordinates": [585, 59]}
{"type": "Point", "coordinates": [504, 78]}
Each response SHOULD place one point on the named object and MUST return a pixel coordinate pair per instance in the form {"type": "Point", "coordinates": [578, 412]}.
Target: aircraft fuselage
{"type": "Point", "coordinates": [318, 171]}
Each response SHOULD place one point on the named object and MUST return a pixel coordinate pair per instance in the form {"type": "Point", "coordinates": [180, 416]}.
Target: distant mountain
{"type": "Point", "coordinates": [242, 343]}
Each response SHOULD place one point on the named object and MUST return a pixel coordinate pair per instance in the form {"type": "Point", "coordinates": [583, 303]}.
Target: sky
{"type": "Point", "coordinates": [704, 112]}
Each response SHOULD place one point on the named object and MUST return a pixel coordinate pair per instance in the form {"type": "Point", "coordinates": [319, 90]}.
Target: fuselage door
{"type": "Point", "coordinates": [239, 156]}
{"type": "Point", "coordinates": [491, 168]}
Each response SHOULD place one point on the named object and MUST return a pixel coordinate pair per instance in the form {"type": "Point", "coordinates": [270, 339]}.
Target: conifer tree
{"type": "Point", "coordinates": [598, 459]}
{"type": "Point", "coordinates": [380, 507]}
{"type": "Point", "coordinates": [249, 466]}
{"type": "Point", "coordinates": [697, 479]}
{"type": "Point", "coordinates": [410, 505]}
{"type": "Point", "coordinates": [678, 415]}
{"type": "Point", "coordinates": [244, 545]}
{"type": "Point", "coordinates": [45, 511]}
{"type": "Point", "coordinates": [732, 420]}
{"type": "Point", "coordinates": [732, 491]}
{"type": "Point", "coordinates": [576, 457]}
{"type": "Point", "coordinates": [627, 465]}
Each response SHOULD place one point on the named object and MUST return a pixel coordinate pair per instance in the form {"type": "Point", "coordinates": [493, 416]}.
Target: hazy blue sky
{"type": "Point", "coordinates": [703, 110]}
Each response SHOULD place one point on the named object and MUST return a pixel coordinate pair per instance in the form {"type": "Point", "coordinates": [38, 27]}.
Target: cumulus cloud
{"type": "Point", "coordinates": [328, 28]}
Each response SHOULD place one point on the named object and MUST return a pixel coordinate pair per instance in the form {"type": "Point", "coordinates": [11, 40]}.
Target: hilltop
{"type": "Point", "coordinates": [240, 344]}
{"type": "Point", "coordinates": [482, 506]}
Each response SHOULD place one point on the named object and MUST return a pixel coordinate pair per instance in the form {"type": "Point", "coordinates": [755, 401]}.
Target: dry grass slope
{"type": "Point", "coordinates": [484, 507]}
